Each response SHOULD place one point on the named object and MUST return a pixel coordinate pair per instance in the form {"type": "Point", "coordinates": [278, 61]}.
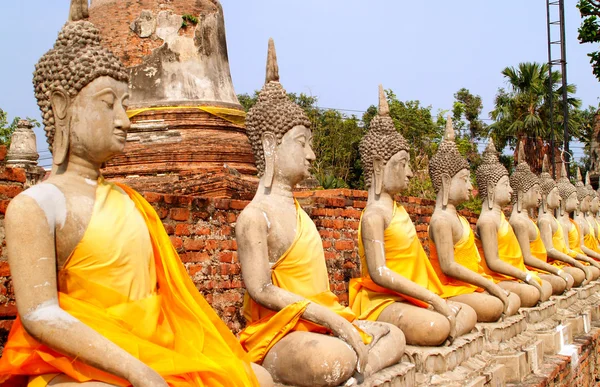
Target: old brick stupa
{"type": "Point", "coordinates": [187, 134]}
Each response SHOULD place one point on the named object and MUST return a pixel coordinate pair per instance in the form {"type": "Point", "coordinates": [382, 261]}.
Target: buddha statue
{"type": "Point", "coordinates": [526, 196]}
{"type": "Point", "coordinates": [569, 202]}
{"type": "Point", "coordinates": [454, 255]}
{"type": "Point", "coordinates": [296, 326]}
{"type": "Point", "coordinates": [590, 216]}
{"type": "Point", "coordinates": [398, 285]}
{"type": "Point", "coordinates": [497, 242]}
{"type": "Point", "coordinates": [586, 229]}
{"type": "Point", "coordinates": [551, 232]}
{"type": "Point", "coordinates": [102, 296]}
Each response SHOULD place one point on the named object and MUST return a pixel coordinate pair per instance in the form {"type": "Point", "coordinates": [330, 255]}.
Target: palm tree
{"type": "Point", "coordinates": [522, 112]}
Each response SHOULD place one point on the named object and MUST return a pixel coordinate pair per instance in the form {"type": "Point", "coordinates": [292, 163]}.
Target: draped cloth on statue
{"type": "Point", "coordinates": [125, 280]}
{"type": "Point", "coordinates": [300, 270]}
{"type": "Point", "coordinates": [537, 249]}
{"type": "Point", "coordinates": [404, 255]}
{"type": "Point", "coordinates": [558, 242]}
{"type": "Point", "coordinates": [590, 241]}
{"type": "Point", "coordinates": [509, 251]}
{"type": "Point", "coordinates": [575, 238]}
{"type": "Point", "coordinates": [465, 254]}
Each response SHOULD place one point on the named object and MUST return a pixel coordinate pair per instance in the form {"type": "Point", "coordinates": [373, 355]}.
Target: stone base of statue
{"type": "Point", "coordinates": [464, 363]}
{"type": "Point", "coordinates": [542, 321]}
{"type": "Point", "coordinates": [511, 344]}
{"type": "Point", "coordinates": [399, 375]}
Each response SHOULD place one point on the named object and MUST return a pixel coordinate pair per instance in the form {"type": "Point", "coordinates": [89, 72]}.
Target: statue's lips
{"type": "Point", "coordinates": [121, 135]}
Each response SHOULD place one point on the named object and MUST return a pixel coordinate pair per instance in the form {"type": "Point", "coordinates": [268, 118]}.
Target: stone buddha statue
{"type": "Point", "coordinates": [569, 202]}
{"type": "Point", "coordinates": [398, 285]}
{"type": "Point", "coordinates": [551, 231]}
{"type": "Point", "coordinates": [497, 242]}
{"type": "Point", "coordinates": [102, 296]}
{"type": "Point", "coordinates": [296, 327]}
{"type": "Point", "coordinates": [589, 245]}
{"type": "Point", "coordinates": [454, 255]}
{"type": "Point", "coordinates": [526, 196]}
{"type": "Point", "coordinates": [590, 216]}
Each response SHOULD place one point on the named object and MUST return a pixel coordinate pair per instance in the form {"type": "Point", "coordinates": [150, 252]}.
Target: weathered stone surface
{"type": "Point", "coordinates": [145, 25]}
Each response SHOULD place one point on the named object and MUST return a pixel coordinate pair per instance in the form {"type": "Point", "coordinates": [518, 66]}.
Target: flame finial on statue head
{"type": "Point", "coordinates": [384, 107]}
{"type": "Point", "coordinates": [522, 179]}
{"type": "Point", "coordinates": [79, 10]}
{"type": "Point", "coordinates": [449, 132]}
{"type": "Point", "coordinates": [565, 188]}
{"type": "Point", "coordinates": [547, 183]}
{"type": "Point", "coordinates": [272, 74]}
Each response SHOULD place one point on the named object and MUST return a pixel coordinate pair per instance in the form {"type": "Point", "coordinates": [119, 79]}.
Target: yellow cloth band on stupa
{"type": "Point", "coordinates": [235, 116]}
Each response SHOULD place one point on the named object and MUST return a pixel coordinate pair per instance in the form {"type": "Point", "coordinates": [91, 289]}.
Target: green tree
{"type": "Point", "coordinates": [521, 112]}
{"type": "Point", "coordinates": [469, 106]}
{"type": "Point", "coordinates": [589, 31]}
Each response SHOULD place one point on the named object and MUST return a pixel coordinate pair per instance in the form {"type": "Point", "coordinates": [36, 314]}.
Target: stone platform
{"type": "Point", "coordinates": [463, 363]}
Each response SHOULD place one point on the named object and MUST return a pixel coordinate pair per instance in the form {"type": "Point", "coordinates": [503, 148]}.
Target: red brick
{"type": "Point", "coordinates": [228, 256]}
{"type": "Point", "coordinates": [318, 212]}
{"type": "Point", "coordinates": [193, 244]}
{"type": "Point", "coordinates": [211, 244]}
{"type": "Point", "coordinates": [181, 214]}
{"type": "Point", "coordinates": [203, 231]}
{"type": "Point", "coordinates": [327, 244]}
{"type": "Point", "coordinates": [3, 152]}
{"type": "Point", "coordinates": [338, 224]}
{"type": "Point", "coordinates": [162, 213]}
{"type": "Point", "coordinates": [182, 200]}
{"type": "Point", "coordinates": [169, 229]}
{"type": "Point", "coordinates": [176, 241]}
{"type": "Point", "coordinates": [222, 204]}
{"type": "Point", "coordinates": [359, 204]}
{"type": "Point", "coordinates": [4, 269]}
{"type": "Point", "coordinates": [238, 204]}
{"type": "Point", "coordinates": [194, 257]}
{"type": "Point", "coordinates": [8, 310]}
{"type": "Point", "coordinates": [231, 217]}
{"type": "Point", "coordinates": [182, 229]}
{"type": "Point", "coordinates": [153, 197]}
{"type": "Point", "coordinates": [344, 245]}
{"type": "Point", "coordinates": [13, 174]}
{"type": "Point", "coordinates": [10, 190]}
{"type": "Point", "coordinates": [194, 268]}
{"type": "Point", "coordinates": [303, 194]}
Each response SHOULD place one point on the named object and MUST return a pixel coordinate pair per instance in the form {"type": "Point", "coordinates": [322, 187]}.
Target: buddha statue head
{"type": "Point", "coordinates": [385, 153]}
{"type": "Point", "coordinates": [81, 89]}
{"type": "Point", "coordinates": [583, 193]}
{"type": "Point", "coordinates": [279, 131]}
{"type": "Point", "coordinates": [492, 179]}
{"type": "Point", "coordinates": [567, 192]}
{"type": "Point", "coordinates": [548, 188]}
{"type": "Point", "coordinates": [449, 171]}
{"type": "Point", "coordinates": [595, 199]}
{"type": "Point", "coordinates": [525, 184]}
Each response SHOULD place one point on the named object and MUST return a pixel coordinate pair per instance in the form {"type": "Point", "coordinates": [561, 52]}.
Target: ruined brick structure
{"type": "Point", "coordinates": [187, 134]}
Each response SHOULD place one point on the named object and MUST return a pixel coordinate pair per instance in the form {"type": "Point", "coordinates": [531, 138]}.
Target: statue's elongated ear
{"type": "Point", "coordinates": [269, 143]}
{"type": "Point", "coordinates": [519, 200]}
{"type": "Point", "coordinates": [490, 195]}
{"type": "Point", "coordinates": [60, 102]}
{"type": "Point", "coordinates": [378, 174]}
{"type": "Point", "coordinates": [446, 183]}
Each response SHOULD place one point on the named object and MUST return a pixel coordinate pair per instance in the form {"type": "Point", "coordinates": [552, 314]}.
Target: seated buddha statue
{"type": "Point", "coordinates": [102, 296]}
{"type": "Point", "coordinates": [551, 231]}
{"type": "Point", "coordinates": [454, 255]}
{"type": "Point", "coordinates": [569, 203]}
{"type": "Point", "coordinates": [296, 326]}
{"type": "Point", "coordinates": [497, 242]}
{"type": "Point", "coordinates": [589, 245]}
{"type": "Point", "coordinates": [590, 215]}
{"type": "Point", "coordinates": [398, 285]}
{"type": "Point", "coordinates": [526, 196]}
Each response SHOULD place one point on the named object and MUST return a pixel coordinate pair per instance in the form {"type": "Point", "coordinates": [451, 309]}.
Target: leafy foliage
{"type": "Point", "coordinates": [188, 18]}
{"type": "Point", "coordinates": [469, 106]}
{"type": "Point", "coordinates": [589, 31]}
{"type": "Point", "coordinates": [522, 111]}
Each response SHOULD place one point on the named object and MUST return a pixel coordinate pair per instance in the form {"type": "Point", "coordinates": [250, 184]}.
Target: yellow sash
{"type": "Point", "coordinates": [509, 251]}
{"type": "Point", "coordinates": [404, 255]}
{"type": "Point", "coordinates": [575, 238]}
{"type": "Point", "coordinates": [465, 254]}
{"type": "Point", "coordinates": [590, 241]}
{"type": "Point", "coordinates": [300, 270]}
{"type": "Point", "coordinates": [110, 284]}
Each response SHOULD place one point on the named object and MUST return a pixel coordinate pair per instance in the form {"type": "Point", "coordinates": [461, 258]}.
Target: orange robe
{"type": "Point", "coordinates": [300, 270]}
{"type": "Point", "coordinates": [125, 280]}
{"type": "Point", "coordinates": [590, 240]}
{"type": "Point", "coordinates": [465, 254]}
{"type": "Point", "coordinates": [509, 251]}
{"type": "Point", "coordinates": [558, 241]}
{"type": "Point", "coordinates": [575, 238]}
{"type": "Point", "coordinates": [538, 250]}
{"type": "Point", "coordinates": [404, 255]}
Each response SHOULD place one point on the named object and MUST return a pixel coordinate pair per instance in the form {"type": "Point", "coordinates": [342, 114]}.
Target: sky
{"type": "Point", "coordinates": [341, 50]}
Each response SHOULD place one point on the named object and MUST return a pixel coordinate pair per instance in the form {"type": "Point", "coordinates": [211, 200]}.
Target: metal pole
{"type": "Point", "coordinates": [550, 91]}
{"type": "Point", "coordinates": [563, 63]}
